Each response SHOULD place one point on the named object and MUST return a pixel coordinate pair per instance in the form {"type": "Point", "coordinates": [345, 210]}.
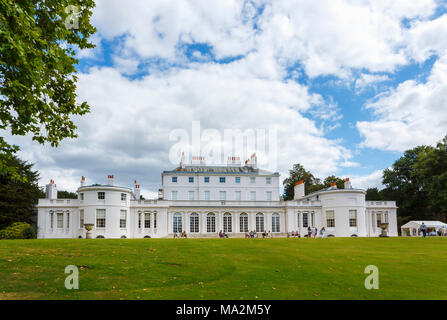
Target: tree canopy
{"type": "Point", "coordinates": [418, 183]}
{"type": "Point", "coordinates": [312, 184]}
{"type": "Point", "coordinates": [18, 197]}
{"type": "Point", "coordinates": [38, 42]}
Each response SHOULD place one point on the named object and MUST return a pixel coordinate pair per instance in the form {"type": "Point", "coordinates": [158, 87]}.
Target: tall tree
{"type": "Point", "coordinates": [62, 194]}
{"type": "Point", "coordinates": [430, 168]}
{"type": "Point", "coordinates": [373, 194]}
{"type": "Point", "coordinates": [296, 174]}
{"type": "Point", "coordinates": [339, 182]}
{"type": "Point", "coordinates": [403, 184]}
{"type": "Point", "coordinates": [38, 42]}
{"type": "Point", "coordinates": [18, 197]}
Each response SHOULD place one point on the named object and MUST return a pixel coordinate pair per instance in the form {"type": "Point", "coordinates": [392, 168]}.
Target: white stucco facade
{"type": "Point", "coordinates": [203, 200]}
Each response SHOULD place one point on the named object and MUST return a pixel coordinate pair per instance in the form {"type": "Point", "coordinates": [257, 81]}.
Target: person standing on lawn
{"type": "Point", "coordinates": [423, 229]}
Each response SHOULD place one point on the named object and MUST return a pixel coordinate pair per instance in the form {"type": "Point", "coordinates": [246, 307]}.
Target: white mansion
{"type": "Point", "coordinates": [203, 200]}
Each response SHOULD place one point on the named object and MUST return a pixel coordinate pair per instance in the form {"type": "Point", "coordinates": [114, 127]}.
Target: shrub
{"type": "Point", "coordinates": [30, 232]}
{"type": "Point", "coordinates": [15, 231]}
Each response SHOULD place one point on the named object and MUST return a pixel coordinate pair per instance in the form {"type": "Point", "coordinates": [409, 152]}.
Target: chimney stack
{"type": "Point", "coordinates": [198, 160]}
{"type": "Point", "coordinates": [333, 186]}
{"type": "Point", "coordinates": [110, 180]}
{"type": "Point", "coordinates": [51, 190]}
{"type": "Point", "coordinates": [252, 161]}
{"type": "Point", "coordinates": [234, 162]}
{"type": "Point", "coordinates": [299, 190]}
{"type": "Point", "coordinates": [182, 161]}
{"type": "Point", "coordinates": [82, 181]}
{"type": "Point", "coordinates": [137, 191]}
{"type": "Point", "coordinates": [348, 184]}
{"type": "Point", "coordinates": [160, 194]}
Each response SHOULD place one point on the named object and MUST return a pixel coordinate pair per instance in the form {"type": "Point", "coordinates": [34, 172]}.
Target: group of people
{"type": "Point", "coordinates": [440, 232]}
{"type": "Point", "coordinates": [311, 233]}
{"type": "Point", "coordinates": [254, 234]}
{"type": "Point", "coordinates": [222, 234]}
{"type": "Point", "coordinates": [180, 235]}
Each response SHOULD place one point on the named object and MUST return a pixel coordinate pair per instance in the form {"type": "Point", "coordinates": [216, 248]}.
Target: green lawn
{"type": "Point", "coordinates": [410, 268]}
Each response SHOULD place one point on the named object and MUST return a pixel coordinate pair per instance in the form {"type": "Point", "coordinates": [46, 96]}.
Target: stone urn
{"type": "Point", "coordinates": [384, 227]}
{"type": "Point", "coordinates": [89, 228]}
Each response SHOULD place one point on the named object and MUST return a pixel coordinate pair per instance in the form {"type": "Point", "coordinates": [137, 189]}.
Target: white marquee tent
{"type": "Point", "coordinates": [411, 228]}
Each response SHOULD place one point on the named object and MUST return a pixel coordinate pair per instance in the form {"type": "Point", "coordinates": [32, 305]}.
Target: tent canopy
{"type": "Point", "coordinates": [429, 224]}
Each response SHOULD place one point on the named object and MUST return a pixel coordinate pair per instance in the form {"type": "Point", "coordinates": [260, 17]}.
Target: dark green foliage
{"type": "Point", "coordinates": [312, 183]}
{"type": "Point", "coordinates": [373, 194]}
{"type": "Point", "coordinates": [67, 195]}
{"type": "Point", "coordinates": [338, 181]}
{"type": "Point", "coordinates": [418, 183]}
{"type": "Point", "coordinates": [37, 71]}
{"type": "Point", "coordinates": [296, 174]}
{"type": "Point", "coordinates": [18, 197]}
{"type": "Point", "coordinates": [30, 232]}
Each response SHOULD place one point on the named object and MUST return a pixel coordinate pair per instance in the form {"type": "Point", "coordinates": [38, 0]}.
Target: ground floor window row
{"type": "Point", "coordinates": [178, 225]}
{"type": "Point", "coordinates": [61, 219]}
{"type": "Point", "coordinates": [306, 219]}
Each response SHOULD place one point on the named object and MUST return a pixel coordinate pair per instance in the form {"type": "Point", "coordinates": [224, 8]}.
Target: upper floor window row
{"type": "Point", "coordinates": [268, 180]}
{"type": "Point", "coordinates": [101, 195]}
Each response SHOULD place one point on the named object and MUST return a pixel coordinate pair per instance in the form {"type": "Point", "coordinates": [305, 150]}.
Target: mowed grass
{"type": "Point", "coordinates": [409, 268]}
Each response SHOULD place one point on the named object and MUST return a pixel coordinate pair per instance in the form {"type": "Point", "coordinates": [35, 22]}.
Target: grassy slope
{"type": "Point", "coordinates": [410, 268]}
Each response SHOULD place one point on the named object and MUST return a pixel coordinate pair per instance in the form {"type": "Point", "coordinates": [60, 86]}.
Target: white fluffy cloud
{"type": "Point", "coordinates": [128, 129]}
{"type": "Point", "coordinates": [414, 113]}
{"type": "Point", "coordinates": [127, 132]}
{"type": "Point", "coordinates": [326, 37]}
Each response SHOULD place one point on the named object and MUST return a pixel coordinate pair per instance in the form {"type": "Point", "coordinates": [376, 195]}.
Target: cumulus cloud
{"type": "Point", "coordinates": [372, 180]}
{"type": "Point", "coordinates": [243, 81]}
{"type": "Point", "coordinates": [366, 80]}
{"type": "Point", "coordinates": [414, 113]}
{"type": "Point", "coordinates": [128, 129]}
{"type": "Point", "coordinates": [328, 37]}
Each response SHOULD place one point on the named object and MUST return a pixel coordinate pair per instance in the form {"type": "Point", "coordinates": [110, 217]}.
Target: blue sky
{"type": "Point", "coordinates": [348, 85]}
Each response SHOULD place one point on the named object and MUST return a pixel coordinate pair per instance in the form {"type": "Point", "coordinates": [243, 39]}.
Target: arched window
{"type": "Point", "coordinates": [227, 226]}
{"type": "Point", "coordinates": [260, 222]}
{"type": "Point", "coordinates": [194, 223]}
{"type": "Point", "coordinates": [147, 220]}
{"type": "Point", "coordinates": [177, 223]}
{"type": "Point", "coordinates": [243, 222]}
{"type": "Point", "coordinates": [275, 222]}
{"type": "Point", "coordinates": [211, 222]}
